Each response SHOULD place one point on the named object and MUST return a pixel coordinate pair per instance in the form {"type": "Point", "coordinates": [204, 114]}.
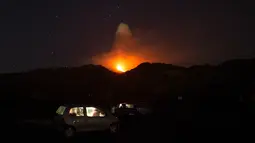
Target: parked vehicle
{"type": "Point", "coordinates": [79, 118]}
{"type": "Point", "coordinates": [125, 109]}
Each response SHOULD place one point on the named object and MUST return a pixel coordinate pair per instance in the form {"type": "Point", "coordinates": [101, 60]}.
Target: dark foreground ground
{"type": "Point", "coordinates": [177, 123]}
{"type": "Point", "coordinates": [228, 128]}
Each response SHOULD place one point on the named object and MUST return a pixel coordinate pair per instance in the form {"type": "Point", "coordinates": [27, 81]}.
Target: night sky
{"type": "Point", "coordinates": [41, 33]}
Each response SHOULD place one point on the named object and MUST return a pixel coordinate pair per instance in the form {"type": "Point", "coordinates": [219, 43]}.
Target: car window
{"type": "Point", "coordinates": [76, 111]}
{"type": "Point", "coordinates": [94, 112]}
{"type": "Point", "coordinates": [124, 105]}
{"type": "Point", "coordinates": [61, 110]}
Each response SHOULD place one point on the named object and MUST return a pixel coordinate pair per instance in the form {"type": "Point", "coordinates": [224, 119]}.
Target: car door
{"type": "Point", "coordinates": [77, 118]}
{"type": "Point", "coordinates": [97, 118]}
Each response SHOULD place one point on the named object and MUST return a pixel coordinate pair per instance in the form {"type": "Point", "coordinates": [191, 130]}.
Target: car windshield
{"type": "Point", "coordinates": [61, 110]}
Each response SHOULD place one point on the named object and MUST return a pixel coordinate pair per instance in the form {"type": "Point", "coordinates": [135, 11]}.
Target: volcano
{"type": "Point", "coordinates": [122, 57]}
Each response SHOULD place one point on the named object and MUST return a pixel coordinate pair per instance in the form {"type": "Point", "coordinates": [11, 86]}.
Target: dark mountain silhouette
{"type": "Point", "coordinates": [147, 82]}
{"type": "Point", "coordinates": [153, 68]}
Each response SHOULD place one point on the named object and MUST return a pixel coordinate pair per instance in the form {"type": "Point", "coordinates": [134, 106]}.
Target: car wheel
{"type": "Point", "coordinates": [114, 128]}
{"type": "Point", "coordinates": [69, 132]}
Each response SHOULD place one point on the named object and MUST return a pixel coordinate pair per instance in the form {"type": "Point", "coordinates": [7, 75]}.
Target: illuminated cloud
{"type": "Point", "coordinates": [123, 29]}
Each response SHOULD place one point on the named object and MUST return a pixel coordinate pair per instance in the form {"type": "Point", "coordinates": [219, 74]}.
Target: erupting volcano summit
{"type": "Point", "coordinates": [122, 57]}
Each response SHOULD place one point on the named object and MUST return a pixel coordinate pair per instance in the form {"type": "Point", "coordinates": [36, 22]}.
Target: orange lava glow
{"type": "Point", "coordinates": [126, 52]}
{"type": "Point", "coordinates": [120, 68]}
{"type": "Point", "coordinates": [119, 62]}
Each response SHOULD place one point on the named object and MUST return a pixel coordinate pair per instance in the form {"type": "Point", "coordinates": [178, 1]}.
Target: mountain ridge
{"type": "Point", "coordinates": [148, 81]}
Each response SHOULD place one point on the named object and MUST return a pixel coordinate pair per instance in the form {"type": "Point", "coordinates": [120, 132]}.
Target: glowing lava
{"type": "Point", "coordinates": [120, 68]}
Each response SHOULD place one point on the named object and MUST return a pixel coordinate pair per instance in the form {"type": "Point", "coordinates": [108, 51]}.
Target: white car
{"type": "Point", "coordinates": [80, 118]}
